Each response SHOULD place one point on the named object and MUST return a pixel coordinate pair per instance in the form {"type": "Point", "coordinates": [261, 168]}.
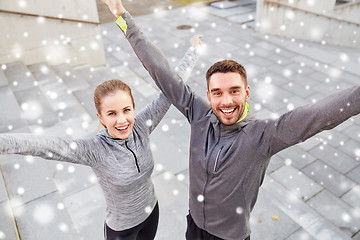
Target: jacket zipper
{"type": "Point", "coordinates": [136, 161]}
{"type": "Point", "coordinates": [217, 159]}
{"type": "Point", "coordinates": [207, 176]}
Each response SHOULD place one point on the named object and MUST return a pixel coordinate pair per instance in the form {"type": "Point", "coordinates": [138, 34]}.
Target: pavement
{"type": "Point", "coordinates": [311, 190]}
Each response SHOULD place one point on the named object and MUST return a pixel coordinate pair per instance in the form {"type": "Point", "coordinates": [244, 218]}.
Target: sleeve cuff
{"type": "Point", "coordinates": [122, 24]}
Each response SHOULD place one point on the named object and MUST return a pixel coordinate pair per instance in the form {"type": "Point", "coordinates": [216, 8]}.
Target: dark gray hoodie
{"type": "Point", "coordinates": [228, 163]}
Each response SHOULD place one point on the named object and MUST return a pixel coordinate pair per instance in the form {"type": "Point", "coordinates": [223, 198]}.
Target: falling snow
{"type": "Point", "coordinates": [44, 214]}
{"type": "Point", "coordinates": [283, 73]}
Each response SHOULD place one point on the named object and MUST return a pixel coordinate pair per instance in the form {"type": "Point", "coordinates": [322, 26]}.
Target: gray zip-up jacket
{"type": "Point", "coordinates": [123, 167]}
{"type": "Point", "coordinates": [227, 163]}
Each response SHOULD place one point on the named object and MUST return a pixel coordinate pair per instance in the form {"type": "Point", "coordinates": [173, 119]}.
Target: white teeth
{"type": "Point", "coordinates": [228, 111]}
{"type": "Point", "coordinates": [122, 128]}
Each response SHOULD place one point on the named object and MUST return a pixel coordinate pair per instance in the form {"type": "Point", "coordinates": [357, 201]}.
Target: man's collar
{"type": "Point", "coordinates": [247, 110]}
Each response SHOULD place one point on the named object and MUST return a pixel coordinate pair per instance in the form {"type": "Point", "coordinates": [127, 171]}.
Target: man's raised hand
{"type": "Point", "coordinates": [115, 6]}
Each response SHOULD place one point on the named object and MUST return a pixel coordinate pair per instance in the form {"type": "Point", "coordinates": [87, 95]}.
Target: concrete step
{"type": "Point", "coordinates": [11, 118]}
{"type": "Point", "coordinates": [8, 228]}
{"type": "Point", "coordinates": [70, 78]}
{"type": "Point", "coordinates": [19, 77]}
{"type": "Point", "coordinates": [235, 11]}
{"type": "Point", "coordinates": [88, 74]}
{"type": "Point", "coordinates": [3, 79]}
{"type": "Point", "coordinates": [57, 93]}
{"type": "Point", "coordinates": [38, 100]}
{"type": "Point", "coordinates": [81, 81]}
{"type": "Point", "coordinates": [34, 109]}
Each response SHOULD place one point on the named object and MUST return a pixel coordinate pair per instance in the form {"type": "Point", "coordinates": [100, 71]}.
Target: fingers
{"type": "Point", "coordinates": [115, 7]}
{"type": "Point", "coordinates": [195, 41]}
{"type": "Point", "coordinates": [197, 36]}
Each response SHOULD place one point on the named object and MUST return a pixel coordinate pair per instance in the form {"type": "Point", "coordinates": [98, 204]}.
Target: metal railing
{"type": "Point", "coordinates": [48, 17]}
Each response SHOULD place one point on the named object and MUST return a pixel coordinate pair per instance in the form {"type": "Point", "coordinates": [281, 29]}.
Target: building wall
{"type": "Point", "coordinates": [33, 39]}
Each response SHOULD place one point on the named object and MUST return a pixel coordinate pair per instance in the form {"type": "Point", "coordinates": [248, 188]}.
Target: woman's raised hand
{"type": "Point", "coordinates": [195, 41]}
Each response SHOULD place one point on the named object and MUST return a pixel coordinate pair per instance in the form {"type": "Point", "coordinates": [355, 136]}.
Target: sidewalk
{"type": "Point", "coordinates": [311, 190]}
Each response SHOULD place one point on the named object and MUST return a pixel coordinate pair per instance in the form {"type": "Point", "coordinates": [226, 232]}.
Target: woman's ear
{"type": "Point", "coordinates": [100, 119]}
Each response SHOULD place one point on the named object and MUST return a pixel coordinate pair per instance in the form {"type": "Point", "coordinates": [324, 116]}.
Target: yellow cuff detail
{"type": "Point", "coordinates": [122, 24]}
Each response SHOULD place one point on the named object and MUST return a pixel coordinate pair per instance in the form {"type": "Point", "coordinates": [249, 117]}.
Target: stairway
{"type": "Point", "coordinates": [51, 100]}
{"type": "Point", "coordinates": [235, 11]}
{"type": "Point", "coordinates": [317, 21]}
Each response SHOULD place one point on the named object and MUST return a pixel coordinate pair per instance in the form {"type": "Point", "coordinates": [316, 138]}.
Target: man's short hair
{"type": "Point", "coordinates": [224, 67]}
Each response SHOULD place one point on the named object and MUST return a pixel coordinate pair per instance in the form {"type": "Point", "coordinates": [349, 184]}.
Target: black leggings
{"type": "Point", "coordinates": [193, 232]}
{"type": "Point", "coordinates": [144, 231]}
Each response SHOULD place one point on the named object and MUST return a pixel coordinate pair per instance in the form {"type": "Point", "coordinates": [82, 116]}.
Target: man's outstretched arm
{"type": "Point", "coordinates": [157, 65]}
{"type": "Point", "coordinates": [156, 110]}
{"type": "Point", "coordinates": [306, 121]}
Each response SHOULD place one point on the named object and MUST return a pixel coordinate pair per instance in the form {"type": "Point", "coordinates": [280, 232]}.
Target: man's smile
{"type": "Point", "coordinates": [228, 111]}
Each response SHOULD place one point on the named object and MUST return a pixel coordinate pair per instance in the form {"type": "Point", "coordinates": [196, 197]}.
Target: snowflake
{"type": "Point", "coordinates": [43, 214]}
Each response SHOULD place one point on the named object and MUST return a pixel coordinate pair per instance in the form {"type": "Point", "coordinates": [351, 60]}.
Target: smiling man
{"type": "Point", "coordinates": [228, 91]}
{"type": "Point", "coordinates": [230, 149]}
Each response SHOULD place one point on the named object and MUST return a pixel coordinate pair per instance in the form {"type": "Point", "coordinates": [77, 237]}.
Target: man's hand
{"type": "Point", "coordinates": [115, 6]}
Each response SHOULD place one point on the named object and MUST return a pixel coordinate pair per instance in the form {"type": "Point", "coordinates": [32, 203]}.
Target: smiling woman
{"type": "Point", "coordinates": [115, 105]}
{"type": "Point", "coordinates": [119, 155]}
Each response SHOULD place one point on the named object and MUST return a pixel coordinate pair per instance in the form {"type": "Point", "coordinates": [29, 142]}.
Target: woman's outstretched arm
{"type": "Point", "coordinates": [82, 151]}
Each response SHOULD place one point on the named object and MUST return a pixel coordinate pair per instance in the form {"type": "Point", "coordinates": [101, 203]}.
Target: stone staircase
{"type": "Point", "coordinates": [318, 21]}
{"type": "Point", "coordinates": [52, 100]}
{"type": "Point", "coordinates": [237, 11]}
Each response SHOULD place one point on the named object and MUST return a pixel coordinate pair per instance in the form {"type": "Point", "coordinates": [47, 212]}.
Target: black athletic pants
{"type": "Point", "coordinates": [144, 231]}
{"type": "Point", "coordinates": [193, 232]}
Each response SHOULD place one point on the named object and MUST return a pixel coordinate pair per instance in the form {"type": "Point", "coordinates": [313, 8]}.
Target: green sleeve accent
{"type": "Point", "coordinates": [122, 24]}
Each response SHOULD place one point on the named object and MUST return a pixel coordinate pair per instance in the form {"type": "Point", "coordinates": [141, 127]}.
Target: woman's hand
{"type": "Point", "coordinates": [195, 41]}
